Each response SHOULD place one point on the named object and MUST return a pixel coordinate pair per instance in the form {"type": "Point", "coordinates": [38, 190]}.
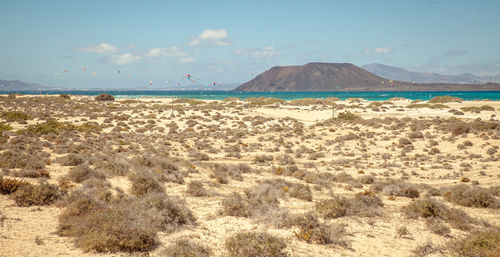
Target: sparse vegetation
{"type": "Point", "coordinates": [255, 244]}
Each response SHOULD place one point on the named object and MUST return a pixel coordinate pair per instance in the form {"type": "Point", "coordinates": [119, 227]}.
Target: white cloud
{"type": "Point", "coordinates": [122, 59]}
{"type": "Point", "coordinates": [186, 60]}
{"type": "Point", "coordinates": [210, 37]}
{"type": "Point", "coordinates": [383, 50]}
{"type": "Point", "coordinates": [262, 53]}
{"type": "Point", "coordinates": [211, 34]}
{"type": "Point", "coordinates": [166, 52]}
{"type": "Point", "coordinates": [103, 48]}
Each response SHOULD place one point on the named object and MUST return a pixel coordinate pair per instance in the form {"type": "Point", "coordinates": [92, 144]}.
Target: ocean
{"type": "Point", "coordinates": [219, 95]}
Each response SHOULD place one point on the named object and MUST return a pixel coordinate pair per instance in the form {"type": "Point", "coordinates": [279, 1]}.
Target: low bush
{"type": "Point", "coordinates": [83, 172]}
{"type": "Point", "coordinates": [186, 248]}
{"type": "Point", "coordinates": [301, 191]}
{"type": "Point", "coordinates": [120, 223]}
{"type": "Point", "coordinates": [15, 116]}
{"type": "Point", "coordinates": [255, 244]}
{"type": "Point", "coordinates": [479, 243]}
{"type": "Point", "coordinates": [471, 197]}
{"type": "Point", "coordinates": [195, 188]}
{"type": "Point", "coordinates": [445, 99]}
{"type": "Point", "coordinates": [144, 183]}
{"type": "Point", "coordinates": [363, 204]}
{"type": "Point", "coordinates": [347, 115]}
{"type": "Point", "coordinates": [16, 159]}
{"type": "Point", "coordinates": [312, 231]}
{"type": "Point", "coordinates": [41, 194]}
{"type": "Point", "coordinates": [430, 208]}
{"type": "Point", "coordinates": [5, 127]}
{"type": "Point", "coordinates": [70, 159]}
{"type": "Point", "coordinates": [9, 186]}
{"type": "Point", "coordinates": [31, 173]}
{"type": "Point", "coordinates": [104, 97]}
{"type": "Point", "coordinates": [393, 187]}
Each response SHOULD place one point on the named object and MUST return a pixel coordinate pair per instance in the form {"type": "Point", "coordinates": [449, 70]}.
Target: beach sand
{"type": "Point", "coordinates": [397, 151]}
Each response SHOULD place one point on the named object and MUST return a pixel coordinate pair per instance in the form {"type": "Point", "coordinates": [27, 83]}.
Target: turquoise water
{"type": "Point", "coordinates": [219, 95]}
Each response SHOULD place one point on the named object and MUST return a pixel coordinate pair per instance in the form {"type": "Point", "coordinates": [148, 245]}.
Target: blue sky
{"type": "Point", "coordinates": [227, 41]}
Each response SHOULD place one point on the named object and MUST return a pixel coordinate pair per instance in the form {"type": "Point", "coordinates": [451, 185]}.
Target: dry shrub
{"type": "Point", "coordinates": [186, 248]}
{"type": "Point", "coordinates": [347, 115]}
{"type": "Point", "coordinates": [363, 204]}
{"type": "Point", "coordinates": [235, 205]}
{"type": "Point", "coordinates": [471, 197]}
{"type": "Point", "coordinates": [445, 99]}
{"type": "Point", "coordinates": [301, 191]}
{"type": "Point", "coordinates": [9, 186]}
{"type": "Point", "coordinates": [41, 194]}
{"type": "Point", "coordinates": [104, 97]}
{"type": "Point", "coordinates": [16, 159]}
{"type": "Point", "coordinates": [223, 172]}
{"type": "Point", "coordinates": [393, 187]}
{"type": "Point", "coordinates": [71, 159]}
{"type": "Point", "coordinates": [313, 231]}
{"type": "Point", "coordinates": [436, 226]}
{"type": "Point", "coordinates": [31, 173]}
{"type": "Point", "coordinates": [430, 208]}
{"type": "Point", "coordinates": [112, 224]}
{"type": "Point", "coordinates": [83, 172]}
{"type": "Point", "coordinates": [255, 244]}
{"type": "Point", "coordinates": [144, 182]}
{"type": "Point", "coordinates": [484, 243]}
{"type": "Point", "coordinates": [195, 188]}
{"type": "Point", "coordinates": [495, 190]}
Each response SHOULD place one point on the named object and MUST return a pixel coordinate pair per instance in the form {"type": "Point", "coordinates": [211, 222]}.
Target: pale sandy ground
{"type": "Point", "coordinates": [30, 231]}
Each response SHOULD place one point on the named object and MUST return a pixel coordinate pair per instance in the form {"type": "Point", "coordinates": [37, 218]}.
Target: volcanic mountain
{"type": "Point", "coordinates": [341, 77]}
{"type": "Point", "coordinates": [312, 77]}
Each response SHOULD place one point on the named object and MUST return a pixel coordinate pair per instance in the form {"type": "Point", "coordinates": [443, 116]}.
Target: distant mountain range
{"type": "Point", "coordinates": [343, 77]}
{"type": "Point", "coordinates": [396, 73]}
{"type": "Point", "coordinates": [6, 85]}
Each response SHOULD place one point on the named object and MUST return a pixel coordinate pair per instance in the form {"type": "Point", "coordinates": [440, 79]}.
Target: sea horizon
{"type": "Point", "coordinates": [288, 95]}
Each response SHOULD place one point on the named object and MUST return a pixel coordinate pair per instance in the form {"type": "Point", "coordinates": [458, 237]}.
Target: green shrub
{"type": "Point", "coordinates": [255, 244]}
{"type": "Point", "coordinates": [5, 127]}
{"type": "Point", "coordinates": [41, 194]}
{"type": "Point", "coordinates": [15, 116]}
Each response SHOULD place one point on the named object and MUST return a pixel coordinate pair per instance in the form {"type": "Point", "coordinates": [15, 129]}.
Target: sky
{"type": "Point", "coordinates": [50, 42]}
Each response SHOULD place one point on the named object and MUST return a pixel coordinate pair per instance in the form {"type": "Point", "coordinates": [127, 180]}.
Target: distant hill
{"type": "Point", "coordinates": [6, 85]}
{"type": "Point", "coordinates": [342, 77]}
{"type": "Point", "coordinates": [312, 77]}
{"type": "Point", "coordinates": [396, 73]}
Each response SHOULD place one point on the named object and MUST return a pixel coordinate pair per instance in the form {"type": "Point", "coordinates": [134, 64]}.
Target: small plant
{"type": "Point", "coordinates": [255, 244]}
{"type": "Point", "coordinates": [5, 127]}
{"type": "Point", "coordinates": [302, 192]}
{"type": "Point", "coordinates": [347, 115]}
